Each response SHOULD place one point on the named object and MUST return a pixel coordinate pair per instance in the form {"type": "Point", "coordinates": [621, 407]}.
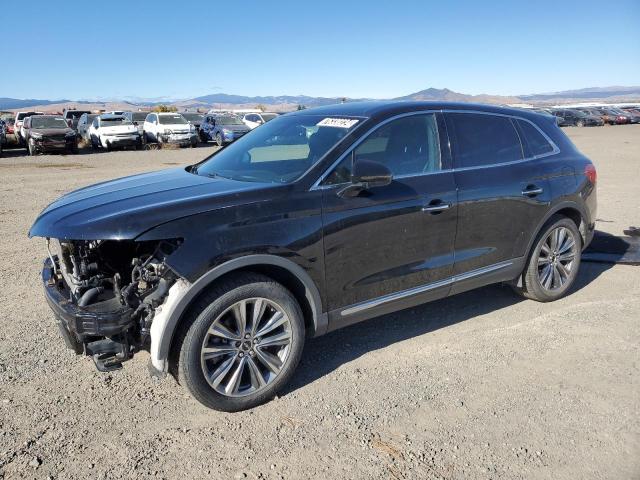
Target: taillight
{"type": "Point", "coordinates": [590, 173]}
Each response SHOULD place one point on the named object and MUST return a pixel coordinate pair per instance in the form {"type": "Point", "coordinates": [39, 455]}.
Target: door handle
{"type": "Point", "coordinates": [435, 208]}
{"type": "Point", "coordinates": [532, 191]}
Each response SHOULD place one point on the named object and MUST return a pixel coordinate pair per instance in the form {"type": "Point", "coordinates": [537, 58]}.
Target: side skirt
{"type": "Point", "coordinates": [499, 272]}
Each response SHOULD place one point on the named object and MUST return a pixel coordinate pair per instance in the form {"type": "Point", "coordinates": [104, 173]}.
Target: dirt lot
{"type": "Point", "coordinates": [481, 385]}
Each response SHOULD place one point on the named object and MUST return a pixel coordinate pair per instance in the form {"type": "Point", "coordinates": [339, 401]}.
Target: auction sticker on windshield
{"type": "Point", "coordinates": [337, 122]}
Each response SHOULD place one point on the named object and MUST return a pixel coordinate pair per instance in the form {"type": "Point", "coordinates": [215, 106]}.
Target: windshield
{"type": "Point", "coordinates": [139, 116]}
{"type": "Point", "coordinates": [279, 151]}
{"type": "Point", "coordinates": [176, 119]}
{"type": "Point", "coordinates": [111, 121]}
{"type": "Point", "coordinates": [23, 115]}
{"type": "Point", "coordinates": [229, 120]}
{"type": "Point", "coordinates": [48, 122]}
{"type": "Point", "coordinates": [192, 117]}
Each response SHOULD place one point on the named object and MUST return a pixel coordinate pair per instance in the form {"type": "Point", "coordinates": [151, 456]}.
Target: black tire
{"type": "Point", "coordinates": [109, 147]}
{"type": "Point", "coordinates": [219, 139]}
{"type": "Point", "coordinates": [532, 284]}
{"type": "Point", "coordinates": [186, 356]}
{"type": "Point", "coordinates": [203, 137]}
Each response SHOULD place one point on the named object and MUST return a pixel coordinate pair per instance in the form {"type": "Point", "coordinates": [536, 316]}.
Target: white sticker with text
{"type": "Point", "coordinates": [337, 122]}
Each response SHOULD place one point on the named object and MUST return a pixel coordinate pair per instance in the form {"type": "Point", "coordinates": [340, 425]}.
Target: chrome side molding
{"type": "Point", "coordinates": [391, 297]}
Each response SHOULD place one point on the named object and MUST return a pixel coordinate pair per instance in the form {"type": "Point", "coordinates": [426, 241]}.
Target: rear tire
{"type": "Point", "coordinates": [252, 371]}
{"type": "Point", "coordinates": [554, 261]}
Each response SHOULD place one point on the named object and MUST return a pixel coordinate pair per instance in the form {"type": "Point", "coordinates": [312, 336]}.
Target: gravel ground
{"type": "Point", "coordinates": [481, 385]}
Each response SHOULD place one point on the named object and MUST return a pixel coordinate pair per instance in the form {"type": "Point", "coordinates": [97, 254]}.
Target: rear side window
{"type": "Point", "coordinates": [483, 139]}
{"type": "Point", "coordinates": [536, 141]}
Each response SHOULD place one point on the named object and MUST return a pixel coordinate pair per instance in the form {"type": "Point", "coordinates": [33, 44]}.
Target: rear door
{"type": "Point", "coordinates": [502, 192]}
{"type": "Point", "coordinates": [395, 238]}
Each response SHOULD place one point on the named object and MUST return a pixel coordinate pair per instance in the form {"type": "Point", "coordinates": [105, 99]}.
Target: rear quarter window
{"type": "Point", "coordinates": [536, 141]}
{"type": "Point", "coordinates": [483, 139]}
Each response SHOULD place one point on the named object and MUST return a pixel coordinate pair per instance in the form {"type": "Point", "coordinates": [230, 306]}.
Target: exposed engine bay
{"type": "Point", "coordinates": [106, 294]}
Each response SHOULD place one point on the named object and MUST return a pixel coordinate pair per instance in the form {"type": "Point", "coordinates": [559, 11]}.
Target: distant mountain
{"type": "Point", "coordinates": [593, 93]}
{"type": "Point", "coordinates": [12, 103]}
{"type": "Point", "coordinates": [223, 98]}
{"type": "Point", "coordinates": [446, 95]}
{"type": "Point", "coordinates": [289, 102]}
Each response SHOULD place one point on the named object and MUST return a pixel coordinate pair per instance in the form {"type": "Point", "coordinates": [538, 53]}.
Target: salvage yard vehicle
{"type": "Point", "coordinates": [137, 118]}
{"type": "Point", "coordinates": [84, 122]}
{"type": "Point", "coordinates": [169, 128]}
{"type": "Point", "coordinates": [113, 131]}
{"type": "Point", "coordinates": [17, 124]}
{"type": "Point", "coordinates": [578, 118]}
{"type": "Point", "coordinates": [253, 120]}
{"type": "Point", "coordinates": [72, 116]}
{"type": "Point", "coordinates": [223, 268]}
{"type": "Point", "coordinates": [222, 128]}
{"type": "Point", "coordinates": [3, 135]}
{"type": "Point", "coordinates": [48, 133]}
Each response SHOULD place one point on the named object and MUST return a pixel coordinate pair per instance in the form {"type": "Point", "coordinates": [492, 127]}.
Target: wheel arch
{"type": "Point", "coordinates": [567, 209]}
{"type": "Point", "coordinates": [280, 269]}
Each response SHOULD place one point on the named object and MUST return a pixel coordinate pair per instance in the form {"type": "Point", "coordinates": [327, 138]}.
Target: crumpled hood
{"type": "Point", "coordinates": [51, 132]}
{"type": "Point", "coordinates": [118, 129]}
{"type": "Point", "coordinates": [127, 207]}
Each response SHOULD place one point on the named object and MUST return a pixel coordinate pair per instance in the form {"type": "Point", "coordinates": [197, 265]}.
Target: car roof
{"type": "Point", "coordinates": [389, 108]}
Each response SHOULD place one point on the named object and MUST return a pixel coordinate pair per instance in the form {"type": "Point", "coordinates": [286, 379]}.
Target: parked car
{"type": "Point", "coordinates": [169, 128]}
{"type": "Point", "coordinates": [225, 267]}
{"type": "Point", "coordinates": [3, 135]}
{"type": "Point", "coordinates": [17, 124]}
{"type": "Point", "coordinates": [223, 128]}
{"type": "Point", "coordinates": [72, 116]}
{"type": "Point", "coordinates": [195, 119]}
{"type": "Point", "coordinates": [48, 133]}
{"type": "Point", "coordinates": [253, 120]}
{"type": "Point", "coordinates": [630, 117]}
{"type": "Point", "coordinates": [137, 118]}
{"type": "Point", "coordinates": [613, 117]}
{"type": "Point", "coordinates": [113, 131]}
{"type": "Point", "coordinates": [559, 120]}
{"type": "Point", "coordinates": [578, 118]}
{"type": "Point", "coordinates": [84, 122]}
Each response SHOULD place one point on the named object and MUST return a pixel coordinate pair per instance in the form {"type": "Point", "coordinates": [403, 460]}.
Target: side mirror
{"type": "Point", "coordinates": [366, 174]}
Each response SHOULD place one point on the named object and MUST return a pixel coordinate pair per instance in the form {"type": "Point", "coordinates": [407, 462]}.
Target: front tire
{"type": "Point", "coordinates": [240, 344]}
{"type": "Point", "coordinates": [553, 262]}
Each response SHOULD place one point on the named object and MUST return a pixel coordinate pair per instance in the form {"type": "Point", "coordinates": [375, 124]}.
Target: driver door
{"type": "Point", "coordinates": [391, 247]}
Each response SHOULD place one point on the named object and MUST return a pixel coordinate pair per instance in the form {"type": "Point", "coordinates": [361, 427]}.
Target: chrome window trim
{"type": "Point", "coordinates": [376, 302]}
{"type": "Point", "coordinates": [317, 184]}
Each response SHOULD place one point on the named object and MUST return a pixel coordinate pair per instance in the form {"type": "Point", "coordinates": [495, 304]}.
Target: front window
{"type": "Point", "coordinates": [48, 122]}
{"type": "Point", "coordinates": [279, 151]}
{"type": "Point", "coordinates": [176, 119]}
{"type": "Point", "coordinates": [139, 116]}
{"type": "Point", "coordinates": [228, 120]}
{"type": "Point", "coordinates": [110, 122]}
{"type": "Point", "coordinates": [192, 117]}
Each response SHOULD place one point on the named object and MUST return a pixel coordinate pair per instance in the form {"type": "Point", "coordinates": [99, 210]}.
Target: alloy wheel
{"type": "Point", "coordinates": [246, 347]}
{"type": "Point", "coordinates": [556, 258]}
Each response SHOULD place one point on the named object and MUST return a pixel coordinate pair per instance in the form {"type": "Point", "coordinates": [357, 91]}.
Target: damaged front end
{"type": "Point", "coordinates": [105, 294]}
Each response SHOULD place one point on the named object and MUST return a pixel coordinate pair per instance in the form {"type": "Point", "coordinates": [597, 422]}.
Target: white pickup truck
{"type": "Point", "coordinates": [170, 128]}
{"type": "Point", "coordinates": [113, 131]}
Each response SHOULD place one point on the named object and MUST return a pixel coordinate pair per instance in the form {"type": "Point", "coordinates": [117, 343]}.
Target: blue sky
{"type": "Point", "coordinates": [181, 49]}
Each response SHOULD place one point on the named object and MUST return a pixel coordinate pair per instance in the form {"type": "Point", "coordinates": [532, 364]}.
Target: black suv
{"type": "Point", "coordinates": [316, 220]}
{"type": "Point", "coordinates": [578, 118]}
